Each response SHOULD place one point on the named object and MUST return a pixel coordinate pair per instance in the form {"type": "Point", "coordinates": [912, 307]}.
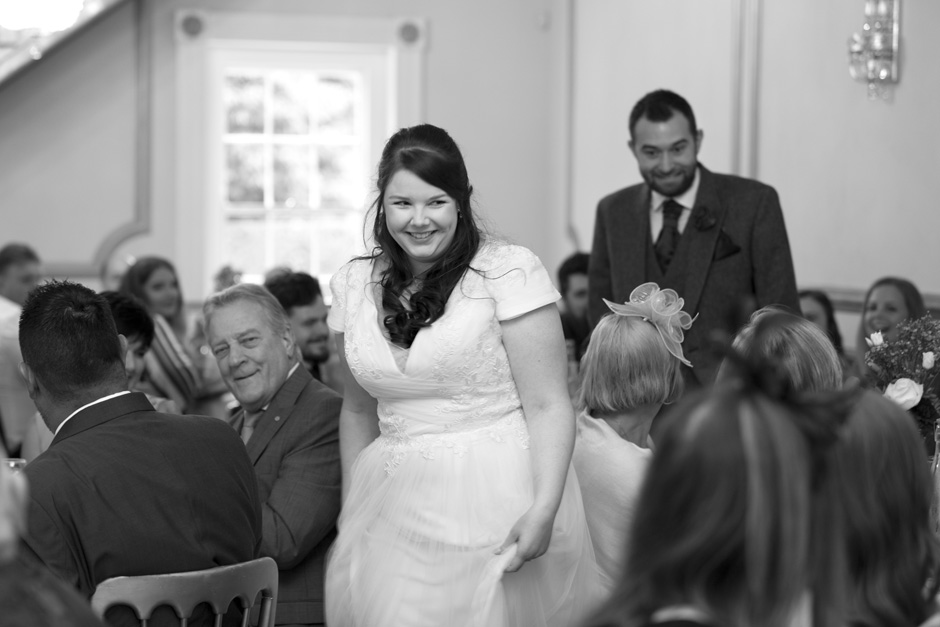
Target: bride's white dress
{"type": "Point", "coordinates": [432, 498]}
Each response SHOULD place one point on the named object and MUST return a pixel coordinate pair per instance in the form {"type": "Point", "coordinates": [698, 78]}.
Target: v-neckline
{"type": "Point", "coordinates": [379, 326]}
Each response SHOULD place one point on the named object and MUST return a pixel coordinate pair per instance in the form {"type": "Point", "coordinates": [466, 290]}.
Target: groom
{"type": "Point", "coordinates": [718, 240]}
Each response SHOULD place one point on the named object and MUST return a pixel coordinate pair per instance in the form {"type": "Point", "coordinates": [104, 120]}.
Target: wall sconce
{"type": "Point", "coordinates": [873, 53]}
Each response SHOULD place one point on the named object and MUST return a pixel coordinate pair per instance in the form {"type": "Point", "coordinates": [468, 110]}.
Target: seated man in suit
{"type": "Point", "coordinates": [290, 424]}
{"type": "Point", "coordinates": [716, 239]}
{"type": "Point", "coordinates": [123, 489]}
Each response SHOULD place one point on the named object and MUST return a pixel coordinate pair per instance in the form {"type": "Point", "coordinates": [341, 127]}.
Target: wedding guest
{"type": "Point", "coordinates": [816, 307]}
{"type": "Point", "coordinates": [20, 271]}
{"type": "Point", "coordinates": [134, 323]}
{"type": "Point", "coordinates": [799, 349]}
{"type": "Point", "coordinates": [171, 366]}
{"type": "Point", "coordinates": [123, 489]}
{"type": "Point", "coordinates": [733, 524]}
{"type": "Point", "coordinates": [886, 494]}
{"type": "Point", "coordinates": [289, 423]}
{"type": "Point", "coordinates": [888, 302]}
{"type": "Point", "coordinates": [631, 368]}
{"type": "Point", "coordinates": [300, 296]}
{"type": "Point", "coordinates": [718, 240]}
{"type": "Point", "coordinates": [573, 284]}
{"type": "Point", "coordinates": [30, 596]}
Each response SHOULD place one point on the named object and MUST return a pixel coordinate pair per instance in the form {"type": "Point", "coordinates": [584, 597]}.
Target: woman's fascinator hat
{"type": "Point", "coordinates": [663, 308]}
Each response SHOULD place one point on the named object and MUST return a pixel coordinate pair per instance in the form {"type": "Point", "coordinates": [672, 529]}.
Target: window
{"type": "Point", "coordinates": [295, 154]}
{"type": "Point", "coordinates": [281, 122]}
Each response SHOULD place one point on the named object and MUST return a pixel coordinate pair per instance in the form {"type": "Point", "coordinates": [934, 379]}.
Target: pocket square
{"type": "Point", "coordinates": [725, 247]}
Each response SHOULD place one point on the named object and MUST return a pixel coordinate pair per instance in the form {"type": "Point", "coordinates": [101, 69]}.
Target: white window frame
{"type": "Point", "coordinates": [224, 37]}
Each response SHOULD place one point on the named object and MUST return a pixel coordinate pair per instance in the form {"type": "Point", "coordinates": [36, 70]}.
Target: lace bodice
{"type": "Point", "coordinates": [456, 379]}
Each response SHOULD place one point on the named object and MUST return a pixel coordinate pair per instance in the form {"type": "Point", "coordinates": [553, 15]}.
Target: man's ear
{"type": "Point", "coordinates": [123, 341]}
{"type": "Point", "coordinates": [288, 338]}
{"type": "Point", "coordinates": [699, 136]}
{"type": "Point", "coordinates": [32, 383]}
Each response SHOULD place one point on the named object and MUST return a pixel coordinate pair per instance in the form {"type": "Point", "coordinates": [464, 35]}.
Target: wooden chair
{"type": "Point", "coordinates": [184, 591]}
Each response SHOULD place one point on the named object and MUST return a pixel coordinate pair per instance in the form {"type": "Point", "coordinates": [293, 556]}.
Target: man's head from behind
{"type": "Point", "coordinates": [573, 281]}
{"type": "Point", "coordinates": [300, 296]}
{"type": "Point", "coordinates": [72, 353]}
{"type": "Point", "coordinates": [19, 272]}
{"type": "Point", "coordinates": [665, 140]}
{"type": "Point", "coordinates": [251, 340]}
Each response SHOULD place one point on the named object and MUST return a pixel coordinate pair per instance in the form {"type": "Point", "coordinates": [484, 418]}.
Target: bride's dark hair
{"type": "Point", "coordinates": [431, 154]}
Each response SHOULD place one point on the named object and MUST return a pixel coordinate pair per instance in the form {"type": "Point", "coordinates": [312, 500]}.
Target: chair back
{"type": "Point", "coordinates": [184, 591]}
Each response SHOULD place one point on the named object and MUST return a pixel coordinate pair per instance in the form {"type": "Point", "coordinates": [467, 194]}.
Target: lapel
{"type": "Point", "coordinates": [277, 413]}
{"type": "Point", "coordinates": [101, 413]}
{"type": "Point", "coordinates": [631, 223]}
{"type": "Point", "coordinates": [702, 243]}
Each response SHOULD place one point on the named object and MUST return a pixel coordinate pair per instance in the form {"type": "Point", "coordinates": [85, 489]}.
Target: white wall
{"type": "Point", "coordinates": [67, 141]}
{"type": "Point", "coordinates": [624, 49]}
{"type": "Point", "coordinates": [857, 178]}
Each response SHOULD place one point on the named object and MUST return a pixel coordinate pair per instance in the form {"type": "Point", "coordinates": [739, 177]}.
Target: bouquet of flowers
{"type": "Point", "coordinates": [906, 370]}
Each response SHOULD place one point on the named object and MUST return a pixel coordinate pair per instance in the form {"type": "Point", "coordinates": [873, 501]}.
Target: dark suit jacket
{"type": "Point", "coordinates": [125, 490]}
{"type": "Point", "coordinates": [295, 451]}
{"type": "Point", "coordinates": [737, 251]}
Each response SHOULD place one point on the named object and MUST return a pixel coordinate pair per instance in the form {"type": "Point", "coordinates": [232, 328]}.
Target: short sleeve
{"type": "Point", "coordinates": [517, 281]}
{"type": "Point", "coordinates": [336, 319]}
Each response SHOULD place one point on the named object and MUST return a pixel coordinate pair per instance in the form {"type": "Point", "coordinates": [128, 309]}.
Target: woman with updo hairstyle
{"type": "Point", "coordinates": [886, 491]}
{"type": "Point", "coordinates": [170, 369]}
{"type": "Point", "coordinates": [798, 348]}
{"type": "Point", "coordinates": [734, 526]}
{"type": "Point", "coordinates": [456, 429]}
{"type": "Point", "coordinates": [631, 368]}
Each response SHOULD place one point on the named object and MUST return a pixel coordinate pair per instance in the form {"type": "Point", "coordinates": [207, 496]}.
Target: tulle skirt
{"type": "Point", "coordinates": [419, 530]}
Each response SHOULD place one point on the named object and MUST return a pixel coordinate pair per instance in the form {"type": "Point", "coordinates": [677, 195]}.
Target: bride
{"type": "Point", "coordinates": [456, 430]}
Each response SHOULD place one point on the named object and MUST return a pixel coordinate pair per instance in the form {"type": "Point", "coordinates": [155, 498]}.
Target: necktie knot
{"type": "Point", "coordinates": [248, 427]}
{"type": "Point", "coordinates": [672, 210]}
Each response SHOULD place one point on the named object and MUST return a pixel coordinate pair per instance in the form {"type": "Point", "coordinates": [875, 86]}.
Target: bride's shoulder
{"type": "Point", "coordinates": [353, 272]}
{"type": "Point", "coordinates": [499, 254]}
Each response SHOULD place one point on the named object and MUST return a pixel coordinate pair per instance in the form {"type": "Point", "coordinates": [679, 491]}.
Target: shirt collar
{"type": "Point", "coordinates": [290, 373]}
{"type": "Point", "coordinates": [686, 199]}
{"type": "Point", "coordinates": [100, 400]}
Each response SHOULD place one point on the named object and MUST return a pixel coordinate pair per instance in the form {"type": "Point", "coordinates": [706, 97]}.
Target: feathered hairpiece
{"type": "Point", "coordinates": [664, 309]}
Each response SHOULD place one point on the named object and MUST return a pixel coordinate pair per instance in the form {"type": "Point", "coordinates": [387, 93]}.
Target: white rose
{"type": "Point", "coordinates": [876, 339]}
{"type": "Point", "coordinates": [905, 393]}
{"type": "Point", "coordinates": [929, 359]}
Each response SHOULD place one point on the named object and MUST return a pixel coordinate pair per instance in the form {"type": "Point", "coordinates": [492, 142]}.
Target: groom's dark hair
{"type": "Point", "coordinates": [660, 106]}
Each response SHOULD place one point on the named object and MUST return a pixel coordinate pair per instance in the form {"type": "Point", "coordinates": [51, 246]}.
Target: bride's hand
{"type": "Point", "coordinates": [532, 534]}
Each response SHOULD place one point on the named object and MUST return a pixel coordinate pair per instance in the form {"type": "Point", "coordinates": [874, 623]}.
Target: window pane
{"type": "Point", "coordinates": [241, 244]}
{"type": "Point", "coordinates": [292, 94]}
{"type": "Point", "coordinates": [339, 238]}
{"type": "Point", "coordinates": [292, 175]}
{"type": "Point", "coordinates": [338, 180]}
{"type": "Point", "coordinates": [244, 168]}
{"type": "Point", "coordinates": [243, 99]}
{"type": "Point", "coordinates": [291, 244]}
{"type": "Point", "coordinates": [335, 105]}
